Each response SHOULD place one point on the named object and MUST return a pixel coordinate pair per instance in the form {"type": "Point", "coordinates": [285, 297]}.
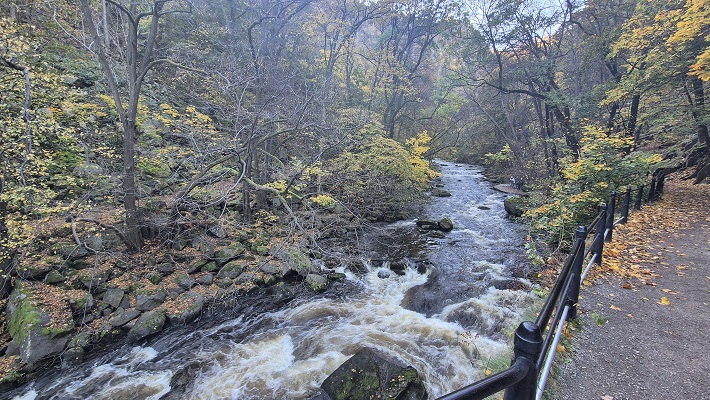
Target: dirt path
{"type": "Point", "coordinates": [646, 317]}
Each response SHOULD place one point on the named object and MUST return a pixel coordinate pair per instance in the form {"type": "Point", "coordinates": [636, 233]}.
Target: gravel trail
{"type": "Point", "coordinates": [648, 337]}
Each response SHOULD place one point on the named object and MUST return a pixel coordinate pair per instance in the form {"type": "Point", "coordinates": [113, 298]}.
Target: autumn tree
{"type": "Point", "coordinates": [130, 62]}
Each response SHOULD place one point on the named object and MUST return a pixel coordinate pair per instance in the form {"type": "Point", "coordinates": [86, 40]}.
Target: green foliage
{"type": "Point", "coordinates": [503, 156]}
{"type": "Point", "coordinates": [379, 177]}
{"type": "Point", "coordinates": [604, 165]}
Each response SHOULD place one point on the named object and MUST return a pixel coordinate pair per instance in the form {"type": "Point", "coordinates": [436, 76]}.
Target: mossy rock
{"type": "Point", "coordinates": [223, 283]}
{"type": "Point", "coordinates": [445, 225]}
{"type": "Point", "coordinates": [36, 269]}
{"type": "Point", "coordinates": [261, 250]}
{"type": "Point", "coordinates": [369, 375]}
{"type": "Point", "coordinates": [209, 267]}
{"type": "Point", "coordinates": [154, 277]}
{"type": "Point", "coordinates": [229, 253]}
{"type": "Point", "coordinates": [514, 205]}
{"type": "Point", "coordinates": [194, 303]}
{"type": "Point", "coordinates": [197, 265]}
{"type": "Point", "coordinates": [81, 303]}
{"type": "Point", "coordinates": [184, 281]}
{"type": "Point", "coordinates": [35, 332]}
{"type": "Point", "coordinates": [150, 301]}
{"type": "Point", "coordinates": [316, 283]}
{"type": "Point", "coordinates": [147, 324]}
{"type": "Point", "coordinates": [54, 277]}
{"type": "Point", "coordinates": [95, 280]}
{"type": "Point", "coordinates": [230, 270]}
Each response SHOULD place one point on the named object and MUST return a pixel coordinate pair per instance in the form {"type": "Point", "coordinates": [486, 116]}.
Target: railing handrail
{"type": "Point", "coordinates": [520, 380]}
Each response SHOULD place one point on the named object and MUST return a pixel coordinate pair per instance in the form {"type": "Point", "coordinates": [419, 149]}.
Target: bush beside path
{"type": "Point", "coordinates": [645, 326]}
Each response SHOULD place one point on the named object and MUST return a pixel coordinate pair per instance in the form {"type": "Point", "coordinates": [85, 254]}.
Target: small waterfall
{"type": "Point", "coordinates": [446, 322]}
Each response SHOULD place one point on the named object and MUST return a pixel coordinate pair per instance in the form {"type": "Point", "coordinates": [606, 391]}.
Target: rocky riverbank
{"type": "Point", "coordinates": [74, 298]}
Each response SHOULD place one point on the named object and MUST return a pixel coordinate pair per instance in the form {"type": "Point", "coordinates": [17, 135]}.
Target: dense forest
{"type": "Point", "coordinates": [140, 135]}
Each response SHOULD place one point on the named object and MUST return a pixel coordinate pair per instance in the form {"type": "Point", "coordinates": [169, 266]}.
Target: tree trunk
{"type": "Point", "coordinates": [699, 111]}
{"type": "Point", "coordinates": [633, 119]}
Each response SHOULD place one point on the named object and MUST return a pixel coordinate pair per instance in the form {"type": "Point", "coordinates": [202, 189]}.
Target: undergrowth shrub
{"type": "Point", "coordinates": [605, 164]}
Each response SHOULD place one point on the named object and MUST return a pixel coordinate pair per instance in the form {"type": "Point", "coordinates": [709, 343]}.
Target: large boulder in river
{"type": "Point", "coordinates": [37, 331]}
{"type": "Point", "coordinates": [368, 375]}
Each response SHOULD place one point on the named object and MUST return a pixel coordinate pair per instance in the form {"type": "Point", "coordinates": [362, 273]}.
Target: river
{"type": "Point", "coordinates": [447, 322]}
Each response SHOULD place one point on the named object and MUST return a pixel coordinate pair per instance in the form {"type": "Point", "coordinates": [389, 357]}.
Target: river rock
{"type": "Point", "coordinates": [113, 297]}
{"type": "Point", "coordinates": [227, 254]}
{"type": "Point", "coordinates": [95, 279]}
{"type": "Point", "coordinates": [81, 303]}
{"type": "Point", "coordinates": [271, 269]}
{"type": "Point", "coordinates": [368, 375]}
{"type": "Point", "coordinates": [148, 324]}
{"type": "Point", "coordinates": [445, 225]}
{"type": "Point", "coordinates": [357, 266]}
{"type": "Point", "coordinates": [190, 306]}
{"type": "Point", "coordinates": [184, 281]}
{"type": "Point", "coordinates": [230, 270]}
{"type": "Point", "coordinates": [427, 224]}
{"type": "Point", "coordinates": [398, 267]}
{"type": "Point", "coordinates": [513, 206]}
{"type": "Point", "coordinates": [383, 274]}
{"type": "Point", "coordinates": [206, 279]}
{"type": "Point", "coordinates": [36, 334]}
{"type": "Point", "coordinates": [121, 317]}
{"type": "Point", "coordinates": [217, 231]}
{"type": "Point", "coordinates": [436, 192]}
{"type": "Point", "coordinates": [165, 269]}
{"type": "Point", "coordinates": [149, 301]}
{"type": "Point", "coordinates": [316, 283]}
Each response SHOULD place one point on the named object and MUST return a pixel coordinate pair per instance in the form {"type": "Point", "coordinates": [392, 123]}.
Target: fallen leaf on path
{"type": "Point", "coordinates": [681, 267]}
{"type": "Point", "coordinates": [615, 308]}
{"type": "Point", "coordinates": [626, 285]}
{"type": "Point", "coordinates": [607, 398]}
{"type": "Point", "coordinates": [630, 315]}
{"type": "Point", "coordinates": [664, 301]}
{"type": "Point", "coordinates": [668, 291]}
{"type": "Point", "coordinates": [649, 283]}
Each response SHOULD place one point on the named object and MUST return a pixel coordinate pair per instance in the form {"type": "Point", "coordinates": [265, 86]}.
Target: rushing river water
{"type": "Point", "coordinates": [447, 322]}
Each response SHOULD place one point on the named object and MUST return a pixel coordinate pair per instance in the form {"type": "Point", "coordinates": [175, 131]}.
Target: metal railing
{"type": "Point", "coordinates": [533, 353]}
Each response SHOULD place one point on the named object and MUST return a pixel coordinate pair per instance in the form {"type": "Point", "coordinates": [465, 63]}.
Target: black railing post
{"type": "Point", "coordinates": [610, 216]}
{"type": "Point", "coordinates": [576, 272]}
{"type": "Point", "coordinates": [659, 185]}
{"type": "Point", "coordinates": [652, 190]}
{"type": "Point", "coordinates": [625, 207]}
{"type": "Point", "coordinates": [527, 344]}
{"type": "Point", "coordinates": [639, 198]}
{"type": "Point", "coordinates": [598, 243]}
